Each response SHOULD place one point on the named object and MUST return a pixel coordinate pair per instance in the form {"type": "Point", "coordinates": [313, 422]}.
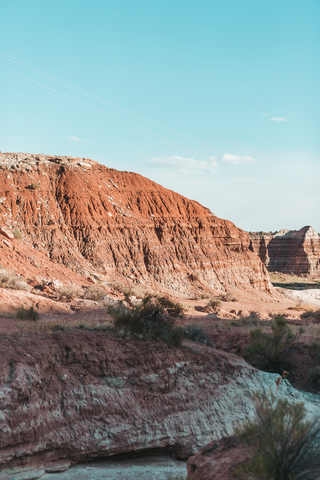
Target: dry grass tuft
{"type": "Point", "coordinates": [200, 296]}
{"type": "Point", "coordinates": [94, 292]}
{"type": "Point", "coordinates": [227, 297]}
{"type": "Point", "coordinates": [34, 186]}
{"type": "Point", "coordinates": [213, 306]}
{"type": "Point", "coordinates": [138, 291]}
{"type": "Point", "coordinates": [69, 292]}
{"type": "Point", "coordinates": [17, 234]}
{"type": "Point", "coordinates": [11, 280]}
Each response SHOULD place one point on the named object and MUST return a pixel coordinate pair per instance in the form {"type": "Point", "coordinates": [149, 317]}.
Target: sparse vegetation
{"type": "Point", "coordinates": [200, 296]}
{"type": "Point", "coordinates": [67, 293]}
{"type": "Point", "coordinates": [28, 314]}
{"type": "Point", "coordinates": [314, 376]}
{"type": "Point", "coordinates": [17, 234]}
{"type": "Point", "coordinates": [227, 297]}
{"type": "Point", "coordinates": [213, 306]}
{"type": "Point", "coordinates": [311, 315]}
{"type": "Point", "coordinates": [138, 291]}
{"type": "Point", "coordinates": [251, 320]}
{"type": "Point", "coordinates": [272, 353]}
{"type": "Point", "coordinates": [94, 292]}
{"type": "Point", "coordinates": [187, 307]}
{"type": "Point", "coordinates": [282, 443]}
{"type": "Point", "coordinates": [34, 186]}
{"type": "Point", "coordinates": [196, 334]}
{"type": "Point", "coordinates": [11, 280]}
{"type": "Point", "coordinates": [154, 318]}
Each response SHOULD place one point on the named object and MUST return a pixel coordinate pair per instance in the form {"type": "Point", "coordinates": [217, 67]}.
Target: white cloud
{"type": "Point", "coordinates": [264, 114]}
{"type": "Point", "coordinates": [77, 139]}
{"type": "Point", "coordinates": [184, 164]}
{"type": "Point", "coordinates": [233, 159]}
{"type": "Point", "coordinates": [282, 119]}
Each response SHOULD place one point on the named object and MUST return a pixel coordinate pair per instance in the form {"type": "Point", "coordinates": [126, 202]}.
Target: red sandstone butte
{"type": "Point", "coordinates": [288, 251]}
{"type": "Point", "coordinates": [92, 219]}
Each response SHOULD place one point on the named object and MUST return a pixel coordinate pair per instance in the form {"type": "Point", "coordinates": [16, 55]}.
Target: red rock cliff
{"type": "Point", "coordinates": [90, 218]}
{"type": "Point", "coordinates": [289, 251]}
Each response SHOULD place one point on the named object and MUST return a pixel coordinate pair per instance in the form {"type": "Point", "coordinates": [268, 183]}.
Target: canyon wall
{"type": "Point", "coordinates": [287, 251]}
{"type": "Point", "coordinates": [94, 220]}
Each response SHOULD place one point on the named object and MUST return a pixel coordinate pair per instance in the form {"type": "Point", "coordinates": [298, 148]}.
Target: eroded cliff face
{"type": "Point", "coordinates": [287, 251]}
{"type": "Point", "coordinates": [89, 218]}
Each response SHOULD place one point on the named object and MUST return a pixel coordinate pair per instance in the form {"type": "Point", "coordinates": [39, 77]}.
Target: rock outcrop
{"type": "Point", "coordinates": [71, 396]}
{"type": "Point", "coordinates": [287, 251]}
{"type": "Point", "coordinates": [91, 219]}
{"type": "Point", "coordinates": [217, 460]}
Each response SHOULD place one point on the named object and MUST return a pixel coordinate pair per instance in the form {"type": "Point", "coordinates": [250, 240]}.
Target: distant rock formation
{"type": "Point", "coordinates": [92, 219]}
{"type": "Point", "coordinates": [295, 251]}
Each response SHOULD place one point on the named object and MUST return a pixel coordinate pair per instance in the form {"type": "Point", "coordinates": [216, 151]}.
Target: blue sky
{"type": "Point", "coordinates": [238, 79]}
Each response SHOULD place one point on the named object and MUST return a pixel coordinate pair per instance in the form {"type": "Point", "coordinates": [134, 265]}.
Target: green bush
{"type": "Point", "coordinates": [196, 334]}
{"type": "Point", "coordinates": [154, 318]}
{"type": "Point", "coordinates": [272, 353]}
{"type": "Point", "coordinates": [28, 314]}
{"type": "Point", "coordinates": [282, 444]}
{"type": "Point", "coordinates": [311, 315]}
{"type": "Point", "coordinates": [314, 376]}
{"type": "Point", "coordinates": [251, 320]}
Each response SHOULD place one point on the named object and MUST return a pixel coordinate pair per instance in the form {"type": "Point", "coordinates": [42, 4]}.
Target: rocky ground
{"type": "Point", "coordinates": [76, 237]}
{"type": "Point", "coordinates": [176, 400]}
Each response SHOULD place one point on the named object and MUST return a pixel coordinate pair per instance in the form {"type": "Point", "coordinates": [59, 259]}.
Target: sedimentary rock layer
{"type": "Point", "coordinates": [90, 218]}
{"type": "Point", "coordinates": [83, 394]}
{"type": "Point", "coordinates": [287, 251]}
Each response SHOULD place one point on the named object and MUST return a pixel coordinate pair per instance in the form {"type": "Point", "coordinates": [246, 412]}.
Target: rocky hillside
{"type": "Point", "coordinates": [92, 220]}
{"type": "Point", "coordinates": [72, 396]}
{"type": "Point", "coordinates": [288, 251]}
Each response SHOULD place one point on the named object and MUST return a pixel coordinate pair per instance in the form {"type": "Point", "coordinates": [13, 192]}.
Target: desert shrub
{"type": "Point", "coordinates": [212, 306]}
{"type": "Point", "coordinates": [196, 334]}
{"type": "Point", "coordinates": [67, 293]}
{"type": "Point", "coordinates": [28, 314]}
{"type": "Point", "coordinates": [94, 292]}
{"type": "Point", "coordinates": [17, 234]}
{"type": "Point", "coordinates": [314, 376]}
{"type": "Point", "coordinates": [311, 315]}
{"type": "Point", "coordinates": [200, 296]}
{"type": "Point", "coordinates": [282, 443]}
{"type": "Point", "coordinates": [138, 291]}
{"type": "Point", "coordinates": [251, 320]}
{"type": "Point", "coordinates": [272, 353]}
{"type": "Point", "coordinates": [154, 318]}
{"type": "Point", "coordinates": [227, 297]}
{"type": "Point", "coordinates": [12, 281]}
{"type": "Point", "coordinates": [34, 186]}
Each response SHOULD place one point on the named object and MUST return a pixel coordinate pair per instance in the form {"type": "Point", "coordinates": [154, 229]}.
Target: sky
{"type": "Point", "coordinates": [216, 100]}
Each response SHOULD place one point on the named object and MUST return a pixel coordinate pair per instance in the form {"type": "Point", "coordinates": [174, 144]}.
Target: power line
{"type": "Point", "coordinates": [94, 113]}
{"type": "Point", "coordinates": [101, 100]}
